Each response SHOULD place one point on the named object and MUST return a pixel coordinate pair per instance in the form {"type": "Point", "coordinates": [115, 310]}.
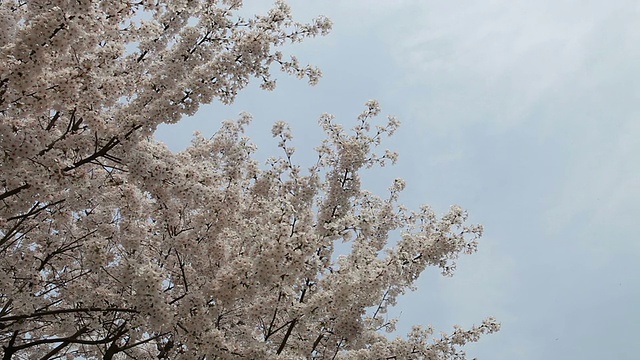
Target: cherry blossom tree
{"type": "Point", "coordinates": [113, 247]}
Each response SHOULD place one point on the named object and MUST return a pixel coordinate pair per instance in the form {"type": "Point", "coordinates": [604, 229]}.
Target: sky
{"type": "Point", "coordinates": [525, 113]}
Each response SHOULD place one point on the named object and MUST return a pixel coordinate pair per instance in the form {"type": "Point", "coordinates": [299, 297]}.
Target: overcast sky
{"type": "Point", "coordinates": [527, 114]}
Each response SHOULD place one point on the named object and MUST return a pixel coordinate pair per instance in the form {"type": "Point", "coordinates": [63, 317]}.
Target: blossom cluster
{"type": "Point", "coordinates": [112, 246]}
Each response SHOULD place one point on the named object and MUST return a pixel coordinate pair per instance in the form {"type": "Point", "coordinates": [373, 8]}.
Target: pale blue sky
{"type": "Point", "coordinates": [526, 113]}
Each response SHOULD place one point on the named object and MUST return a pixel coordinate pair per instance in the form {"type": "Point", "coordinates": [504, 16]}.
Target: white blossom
{"type": "Point", "coordinates": [113, 247]}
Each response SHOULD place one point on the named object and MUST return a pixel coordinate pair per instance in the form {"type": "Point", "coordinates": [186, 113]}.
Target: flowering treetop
{"type": "Point", "coordinates": [111, 246]}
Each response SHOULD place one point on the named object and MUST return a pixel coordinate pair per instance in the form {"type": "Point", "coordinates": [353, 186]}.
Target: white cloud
{"type": "Point", "coordinates": [602, 190]}
{"type": "Point", "coordinates": [494, 61]}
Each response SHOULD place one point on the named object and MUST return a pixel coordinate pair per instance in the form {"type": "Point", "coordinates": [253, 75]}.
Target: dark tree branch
{"type": "Point", "coordinates": [35, 209]}
{"type": "Point", "coordinates": [6, 194]}
{"type": "Point", "coordinates": [63, 344]}
{"type": "Point", "coordinates": [286, 336]}
{"type": "Point", "coordinates": [9, 350]}
{"type": "Point", "coordinates": [64, 311]}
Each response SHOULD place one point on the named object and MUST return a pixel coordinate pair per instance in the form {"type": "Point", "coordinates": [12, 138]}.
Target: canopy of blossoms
{"type": "Point", "coordinates": [113, 247]}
